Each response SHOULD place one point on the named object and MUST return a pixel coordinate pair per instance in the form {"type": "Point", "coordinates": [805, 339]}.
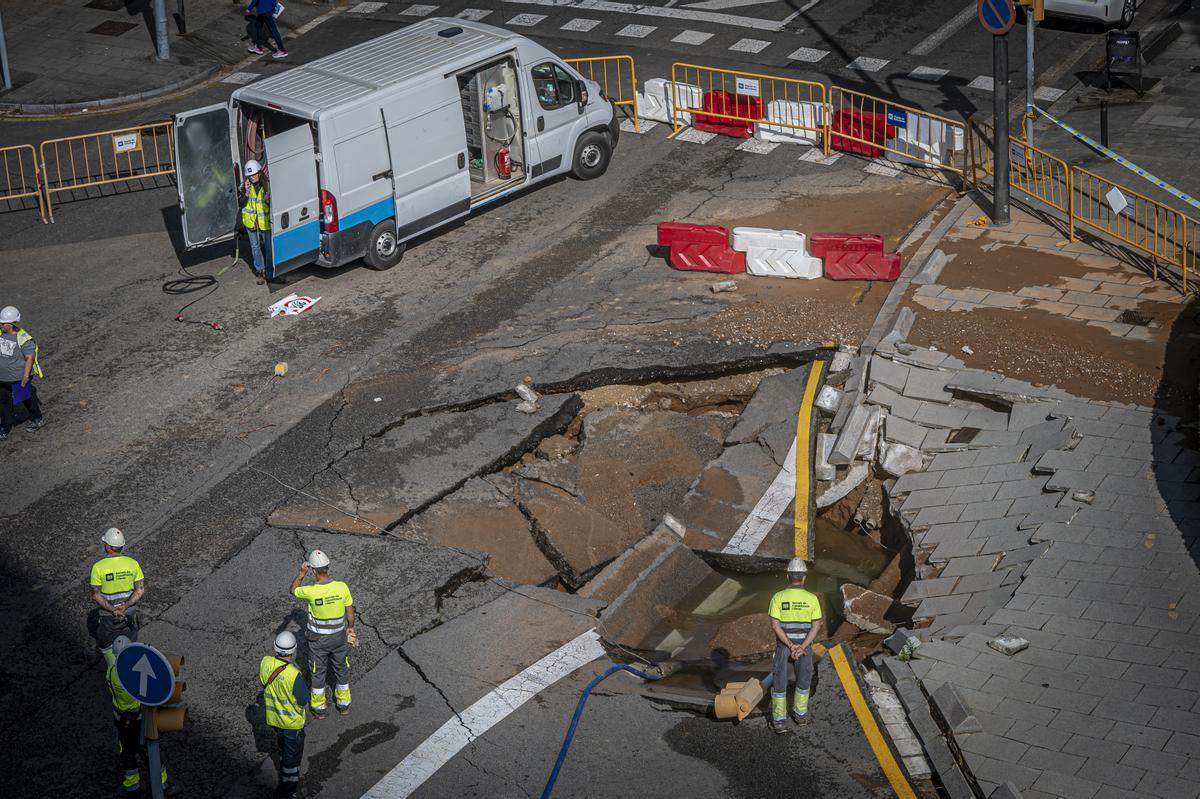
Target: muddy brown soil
{"type": "Point", "coordinates": [1042, 348]}
{"type": "Point", "coordinates": [1005, 268]}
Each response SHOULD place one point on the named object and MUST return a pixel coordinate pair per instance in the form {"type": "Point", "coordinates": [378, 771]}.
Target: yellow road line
{"type": "Point", "coordinates": [866, 720]}
{"type": "Point", "coordinates": [804, 459]}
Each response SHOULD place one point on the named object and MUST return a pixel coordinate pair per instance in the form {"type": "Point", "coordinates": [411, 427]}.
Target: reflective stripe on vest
{"type": "Point", "coordinates": [282, 711]}
{"type": "Point", "coordinates": [121, 700]}
{"type": "Point", "coordinates": [256, 215]}
{"type": "Point", "coordinates": [22, 337]}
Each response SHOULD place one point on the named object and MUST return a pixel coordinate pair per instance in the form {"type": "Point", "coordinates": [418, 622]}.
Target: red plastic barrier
{"type": "Point", "coordinates": [821, 244]}
{"type": "Point", "coordinates": [700, 248]}
{"type": "Point", "coordinates": [864, 127]}
{"type": "Point", "coordinates": [841, 265]}
{"type": "Point", "coordinates": [738, 105]}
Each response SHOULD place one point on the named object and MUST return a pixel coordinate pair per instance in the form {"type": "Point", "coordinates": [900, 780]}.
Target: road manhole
{"type": "Point", "coordinates": [106, 5]}
{"type": "Point", "coordinates": [1135, 318]}
{"type": "Point", "coordinates": [113, 28]}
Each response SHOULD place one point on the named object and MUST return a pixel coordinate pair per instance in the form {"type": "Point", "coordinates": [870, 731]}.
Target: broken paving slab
{"type": "Point", "coordinates": [776, 402]}
{"type": "Point", "coordinates": [573, 536]}
{"type": "Point", "coordinates": [401, 472]}
{"type": "Point", "coordinates": [867, 610]}
{"type": "Point", "coordinates": [480, 517]}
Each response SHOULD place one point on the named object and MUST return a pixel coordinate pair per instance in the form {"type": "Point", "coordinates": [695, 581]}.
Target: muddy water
{"type": "Point", "coordinates": [685, 633]}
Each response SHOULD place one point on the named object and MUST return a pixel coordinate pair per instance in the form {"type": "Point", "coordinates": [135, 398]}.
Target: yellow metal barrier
{"type": "Point", "coordinates": [617, 78]}
{"type": "Point", "coordinates": [111, 158]}
{"type": "Point", "coordinates": [917, 136]}
{"type": "Point", "coordinates": [21, 179]}
{"type": "Point", "coordinates": [801, 103]}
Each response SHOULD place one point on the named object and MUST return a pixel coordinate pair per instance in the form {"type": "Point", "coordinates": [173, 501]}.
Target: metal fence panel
{"type": "Point", "coordinates": [773, 92]}
{"type": "Point", "coordinates": [19, 176]}
{"type": "Point", "coordinates": [909, 135]}
{"type": "Point", "coordinates": [616, 75]}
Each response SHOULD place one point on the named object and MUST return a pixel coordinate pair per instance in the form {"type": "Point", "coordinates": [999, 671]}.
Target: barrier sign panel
{"type": "Point", "coordinates": [897, 118]}
{"type": "Point", "coordinates": [1123, 47]}
{"type": "Point", "coordinates": [747, 86]}
{"type": "Point", "coordinates": [127, 142]}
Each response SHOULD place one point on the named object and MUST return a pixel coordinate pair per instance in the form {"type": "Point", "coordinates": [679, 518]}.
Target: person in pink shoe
{"type": "Point", "coordinates": [265, 12]}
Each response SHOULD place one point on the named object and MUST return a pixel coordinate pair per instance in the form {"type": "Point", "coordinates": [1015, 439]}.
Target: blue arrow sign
{"type": "Point", "coordinates": [997, 16]}
{"type": "Point", "coordinates": [145, 674]}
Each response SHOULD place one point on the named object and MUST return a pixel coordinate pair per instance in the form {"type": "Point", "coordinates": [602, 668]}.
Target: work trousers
{"type": "Point", "coordinates": [6, 404]}
{"type": "Point", "coordinates": [129, 741]}
{"type": "Point", "coordinates": [333, 653]}
{"type": "Point", "coordinates": [291, 752]}
{"type": "Point", "coordinates": [803, 668]}
{"type": "Point", "coordinates": [107, 630]}
{"type": "Point", "coordinates": [267, 21]}
{"type": "Point", "coordinates": [258, 250]}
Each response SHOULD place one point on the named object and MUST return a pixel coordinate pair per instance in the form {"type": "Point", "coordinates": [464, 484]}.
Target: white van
{"type": "Point", "coordinates": [376, 144]}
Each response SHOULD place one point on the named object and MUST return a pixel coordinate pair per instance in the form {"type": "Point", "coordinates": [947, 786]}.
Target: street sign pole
{"type": "Point", "coordinates": [152, 755]}
{"type": "Point", "coordinates": [4, 58]}
{"type": "Point", "coordinates": [162, 43]}
{"type": "Point", "coordinates": [1000, 156]}
{"type": "Point", "coordinates": [1030, 26]}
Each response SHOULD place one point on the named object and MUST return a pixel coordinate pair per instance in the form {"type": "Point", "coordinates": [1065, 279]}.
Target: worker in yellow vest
{"type": "Point", "coordinates": [117, 585]}
{"type": "Point", "coordinates": [796, 619]}
{"type": "Point", "coordinates": [285, 693]}
{"type": "Point", "coordinates": [330, 630]}
{"type": "Point", "coordinates": [18, 366]}
{"type": "Point", "coordinates": [127, 713]}
{"type": "Point", "coordinates": [256, 217]}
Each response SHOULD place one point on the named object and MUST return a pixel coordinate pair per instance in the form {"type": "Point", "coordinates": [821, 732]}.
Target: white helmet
{"type": "Point", "coordinates": [253, 168]}
{"type": "Point", "coordinates": [119, 643]}
{"type": "Point", "coordinates": [318, 559]}
{"type": "Point", "coordinates": [9, 314]}
{"type": "Point", "coordinates": [114, 538]}
{"type": "Point", "coordinates": [285, 643]}
{"type": "Point", "coordinates": [797, 566]}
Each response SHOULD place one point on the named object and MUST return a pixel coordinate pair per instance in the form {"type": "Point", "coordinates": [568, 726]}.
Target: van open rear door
{"type": "Point", "coordinates": [295, 210]}
{"type": "Point", "coordinates": [205, 175]}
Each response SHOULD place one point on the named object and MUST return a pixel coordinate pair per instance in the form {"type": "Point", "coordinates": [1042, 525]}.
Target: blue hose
{"type": "Point", "coordinates": [562, 754]}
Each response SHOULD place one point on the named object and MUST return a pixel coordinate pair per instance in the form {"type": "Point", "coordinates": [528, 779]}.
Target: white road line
{"type": "Point", "coordinates": [984, 83]}
{"type": "Point", "coordinates": [931, 42]}
{"type": "Point", "coordinates": [749, 46]}
{"type": "Point", "coordinates": [1046, 94]}
{"type": "Point", "coordinates": [637, 31]}
{"type": "Point", "coordinates": [608, 6]}
{"type": "Point", "coordinates": [931, 74]}
{"type": "Point", "coordinates": [694, 136]}
{"type": "Point", "coordinates": [770, 507]}
{"type": "Point", "coordinates": [867, 64]}
{"type": "Point", "coordinates": [526, 20]}
{"type": "Point", "coordinates": [808, 54]}
{"type": "Point", "coordinates": [419, 11]}
{"type": "Point", "coordinates": [580, 25]}
{"type": "Point", "coordinates": [692, 37]}
{"type": "Point", "coordinates": [366, 8]}
{"type": "Point", "coordinates": [757, 146]}
{"type": "Point", "coordinates": [440, 748]}
{"type": "Point", "coordinates": [721, 5]}
{"type": "Point", "coordinates": [473, 14]}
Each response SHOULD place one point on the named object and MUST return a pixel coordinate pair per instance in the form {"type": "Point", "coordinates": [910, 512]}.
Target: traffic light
{"type": "Point", "coordinates": [1035, 7]}
{"type": "Point", "coordinates": [169, 716]}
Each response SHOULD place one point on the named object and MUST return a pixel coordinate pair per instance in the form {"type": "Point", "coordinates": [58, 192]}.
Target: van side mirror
{"type": "Point", "coordinates": [582, 93]}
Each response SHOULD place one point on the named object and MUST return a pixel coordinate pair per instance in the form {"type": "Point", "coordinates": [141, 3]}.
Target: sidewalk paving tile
{"type": "Point", "coordinates": [1066, 786]}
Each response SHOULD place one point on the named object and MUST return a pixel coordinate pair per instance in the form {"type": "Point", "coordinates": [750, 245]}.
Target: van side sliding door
{"type": "Point", "coordinates": [295, 210]}
{"type": "Point", "coordinates": [427, 138]}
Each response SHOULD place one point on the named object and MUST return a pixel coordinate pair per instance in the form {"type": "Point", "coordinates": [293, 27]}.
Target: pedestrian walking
{"type": "Point", "coordinates": [285, 694]}
{"type": "Point", "coordinates": [117, 585]}
{"type": "Point", "coordinates": [127, 714]}
{"type": "Point", "coordinates": [256, 217]}
{"type": "Point", "coordinates": [18, 366]}
{"type": "Point", "coordinates": [796, 619]}
{"type": "Point", "coordinates": [265, 12]}
{"type": "Point", "coordinates": [330, 631]}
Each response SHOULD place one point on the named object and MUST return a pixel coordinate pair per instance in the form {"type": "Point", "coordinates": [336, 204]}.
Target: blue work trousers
{"type": "Point", "coordinates": [291, 752]}
{"type": "Point", "coordinates": [258, 250]}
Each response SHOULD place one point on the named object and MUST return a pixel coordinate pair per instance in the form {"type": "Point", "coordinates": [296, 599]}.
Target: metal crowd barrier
{"type": "Point", "coordinates": [20, 176]}
{"type": "Point", "coordinates": [110, 158]}
{"type": "Point", "coordinates": [786, 97]}
{"type": "Point", "coordinates": [915, 136]}
{"type": "Point", "coordinates": [617, 77]}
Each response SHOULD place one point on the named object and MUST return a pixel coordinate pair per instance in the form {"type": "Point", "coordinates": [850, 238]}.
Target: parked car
{"type": "Point", "coordinates": [1112, 13]}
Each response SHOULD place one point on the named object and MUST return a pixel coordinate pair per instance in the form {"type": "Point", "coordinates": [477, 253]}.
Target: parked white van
{"type": "Point", "coordinates": [376, 144]}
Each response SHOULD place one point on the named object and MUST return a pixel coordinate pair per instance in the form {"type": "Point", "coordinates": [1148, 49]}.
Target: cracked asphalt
{"type": "Point", "coordinates": [182, 436]}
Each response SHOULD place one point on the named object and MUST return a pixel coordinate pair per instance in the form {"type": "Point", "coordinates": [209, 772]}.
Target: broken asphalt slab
{"type": "Point", "coordinates": [399, 473]}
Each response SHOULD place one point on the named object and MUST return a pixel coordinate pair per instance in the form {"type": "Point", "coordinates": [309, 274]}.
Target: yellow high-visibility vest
{"type": "Point", "coordinates": [22, 337]}
{"type": "Point", "coordinates": [121, 700]}
{"type": "Point", "coordinates": [256, 215]}
{"type": "Point", "coordinates": [282, 711]}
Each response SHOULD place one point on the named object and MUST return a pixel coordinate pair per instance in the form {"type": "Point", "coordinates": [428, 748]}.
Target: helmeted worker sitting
{"type": "Point", "coordinates": [330, 629]}
{"type": "Point", "coordinates": [796, 619]}
{"type": "Point", "coordinates": [256, 217]}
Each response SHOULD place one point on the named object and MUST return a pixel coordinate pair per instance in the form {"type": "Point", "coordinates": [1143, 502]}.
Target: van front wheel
{"type": "Point", "coordinates": [592, 154]}
{"type": "Point", "coordinates": [383, 249]}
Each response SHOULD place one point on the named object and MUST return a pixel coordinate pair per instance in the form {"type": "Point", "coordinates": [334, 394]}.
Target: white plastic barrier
{"type": "Point", "coordinates": [925, 140]}
{"type": "Point", "coordinates": [776, 253]}
{"type": "Point", "coordinates": [659, 100]}
{"type": "Point", "coordinates": [810, 115]}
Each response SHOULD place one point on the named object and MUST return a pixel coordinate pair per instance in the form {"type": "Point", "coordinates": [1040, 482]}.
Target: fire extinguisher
{"type": "Point", "coordinates": [503, 164]}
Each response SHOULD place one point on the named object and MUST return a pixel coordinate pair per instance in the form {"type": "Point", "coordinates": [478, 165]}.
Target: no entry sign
{"type": "Point", "coordinates": [997, 16]}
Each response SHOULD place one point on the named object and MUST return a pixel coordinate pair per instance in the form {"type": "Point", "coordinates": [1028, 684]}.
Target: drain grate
{"type": "Point", "coordinates": [1136, 318]}
{"type": "Point", "coordinates": [113, 28]}
{"type": "Point", "coordinates": [106, 5]}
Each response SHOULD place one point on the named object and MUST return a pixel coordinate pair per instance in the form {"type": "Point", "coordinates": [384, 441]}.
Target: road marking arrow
{"type": "Point", "coordinates": [145, 671]}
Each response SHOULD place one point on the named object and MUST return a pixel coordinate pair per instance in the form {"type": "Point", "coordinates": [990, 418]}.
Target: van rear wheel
{"type": "Point", "coordinates": [384, 250]}
{"type": "Point", "coordinates": [592, 154]}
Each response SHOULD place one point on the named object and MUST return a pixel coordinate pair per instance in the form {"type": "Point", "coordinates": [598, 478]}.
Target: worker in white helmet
{"type": "Point", "coordinates": [18, 366]}
{"type": "Point", "coordinates": [117, 584]}
{"type": "Point", "coordinates": [285, 695]}
{"type": "Point", "coordinates": [330, 631]}
{"type": "Point", "coordinates": [127, 714]}
{"type": "Point", "coordinates": [796, 619]}
{"type": "Point", "coordinates": [256, 217]}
